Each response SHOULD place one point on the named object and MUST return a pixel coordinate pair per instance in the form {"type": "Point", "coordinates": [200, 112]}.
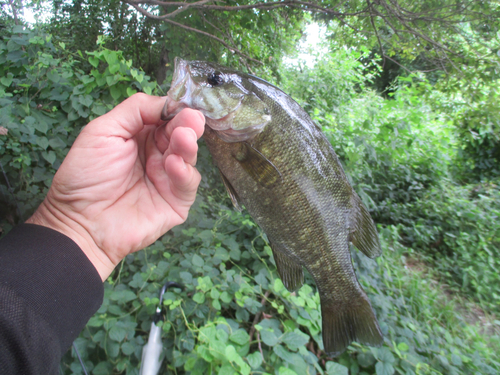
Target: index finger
{"type": "Point", "coordinates": [129, 117]}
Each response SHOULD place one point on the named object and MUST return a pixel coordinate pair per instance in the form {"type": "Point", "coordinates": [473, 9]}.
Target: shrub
{"type": "Point", "coordinates": [44, 102]}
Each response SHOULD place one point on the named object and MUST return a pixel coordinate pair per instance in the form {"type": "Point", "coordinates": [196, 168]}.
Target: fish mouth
{"type": "Point", "coordinates": [186, 92]}
{"type": "Point", "coordinates": [189, 89]}
{"type": "Point", "coordinates": [179, 80]}
{"type": "Point", "coordinates": [178, 95]}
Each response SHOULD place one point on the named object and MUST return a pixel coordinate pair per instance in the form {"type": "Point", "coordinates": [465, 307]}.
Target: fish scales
{"type": "Point", "coordinates": [291, 182]}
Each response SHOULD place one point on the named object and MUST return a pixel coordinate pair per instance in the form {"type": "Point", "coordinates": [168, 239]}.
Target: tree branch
{"type": "Point", "coordinates": [407, 22]}
{"type": "Point", "coordinates": [306, 6]}
{"type": "Point", "coordinates": [376, 33]}
{"type": "Point", "coordinates": [229, 47]}
{"type": "Point", "coordinates": [14, 11]}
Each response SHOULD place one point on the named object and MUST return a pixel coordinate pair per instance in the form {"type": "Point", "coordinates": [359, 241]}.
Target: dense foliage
{"type": "Point", "coordinates": [424, 159]}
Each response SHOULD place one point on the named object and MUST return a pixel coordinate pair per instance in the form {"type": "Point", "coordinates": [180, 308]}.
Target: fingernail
{"type": "Point", "coordinates": [195, 137]}
{"type": "Point", "coordinates": [202, 116]}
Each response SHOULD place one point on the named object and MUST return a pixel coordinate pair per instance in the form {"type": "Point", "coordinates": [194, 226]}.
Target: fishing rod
{"type": "Point", "coordinates": [153, 350]}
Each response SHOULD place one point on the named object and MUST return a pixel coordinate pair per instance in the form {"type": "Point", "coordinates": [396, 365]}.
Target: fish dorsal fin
{"type": "Point", "coordinates": [230, 191]}
{"type": "Point", "coordinates": [257, 165]}
{"type": "Point", "coordinates": [291, 273]}
{"type": "Point", "coordinates": [364, 233]}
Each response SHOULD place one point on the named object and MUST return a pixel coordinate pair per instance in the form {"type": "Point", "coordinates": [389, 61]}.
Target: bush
{"type": "Point", "coordinates": [44, 102]}
{"type": "Point", "coordinates": [234, 315]}
{"type": "Point", "coordinates": [457, 229]}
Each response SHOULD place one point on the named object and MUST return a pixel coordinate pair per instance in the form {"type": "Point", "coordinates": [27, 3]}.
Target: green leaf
{"type": "Point", "coordinates": [221, 335]}
{"type": "Point", "coordinates": [384, 368]}
{"type": "Point", "coordinates": [115, 92]}
{"type": "Point", "coordinates": [49, 156]}
{"type": "Point", "coordinates": [112, 349]}
{"type": "Point", "coordinates": [114, 68]}
{"type": "Point", "coordinates": [254, 359]}
{"type": "Point", "coordinates": [43, 122]}
{"type": "Point", "coordinates": [240, 337]}
{"type": "Point", "coordinates": [7, 80]}
{"type": "Point", "coordinates": [99, 109]}
{"type": "Point", "coordinates": [294, 340]}
{"type": "Point", "coordinates": [278, 285]}
{"type": "Point", "coordinates": [235, 254]}
{"type": "Point", "coordinates": [57, 143]}
{"type": "Point", "coordinates": [334, 368]}
{"type": "Point", "coordinates": [58, 95]}
{"type": "Point", "coordinates": [384, 355]}
{"type": "Point", "coordinates": [456, 360]}
{"type": "Point", "coordinates": [366, 359]}
{"type": "Point", "coordinates": [199, 298]}
{"type": "Point", "coordinates": [227, 369]}
{"type": "Point", "coordinates": [268, 337]}
{"type": "Point", "coordinates": [216, 304]}
{"type": "Point", "coordinates": [95, 321]}
{"type": "Point", "coordinates": [197, 260]}
{"type": "Point", "coordinates": [128, 348]}
{"type": "Point", "coordinates": [139, 77]}
{"type": "Point", "coordinates": [111, 57]}
{"type": "Point", "coordinates": [43, 142]}
{"type": "Point", "coordinates": [117, 333]}
{"type": "Point", "coordinates": [94, 61]}
{"type": "Point", "coordinates": [102, 368]}
{"type": "Point", "coordinates": [86, 100]}
{"type": "Point", "coordinates": [284, 354]}
{"type": "Point", "coordinates": [226, 297]}
{"type": "Point", "coordinates": [54, 76]}
{"type": "Point", "coordinates": [186, 277]}
{"type": "Point", "coordinates": [214, 293]}
{"type": "Point", "coordinates": [286, 371]}
{"type": "Point", "coordinates": [130, 91]}
{"type": "Point", "coordinates": [403, 346]}
{"type": "Point", "coordinates": [231, 354]}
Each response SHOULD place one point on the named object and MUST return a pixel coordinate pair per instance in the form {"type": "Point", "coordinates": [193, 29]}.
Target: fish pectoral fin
{"type": "Point", "coordinates": [364, 235]}
{"type": "Point", "coordinates": [257, 165]}
{"type": "Point", "coordinates": [291, 273]}
{"type": "Point", "coordinates": [345, 322]}
{"type": "Point", "coordinates": [230, 191]}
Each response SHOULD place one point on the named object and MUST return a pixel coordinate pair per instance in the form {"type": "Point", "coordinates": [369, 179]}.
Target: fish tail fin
{"type": "Point", "coordinates": [344, 323]}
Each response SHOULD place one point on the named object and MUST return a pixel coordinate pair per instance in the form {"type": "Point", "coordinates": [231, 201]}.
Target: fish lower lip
{"type": "Point", "coordinates": [181, 73]}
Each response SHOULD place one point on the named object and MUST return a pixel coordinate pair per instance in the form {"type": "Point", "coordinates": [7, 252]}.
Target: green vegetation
{"type": "Point", "coordinates": [421, 150]}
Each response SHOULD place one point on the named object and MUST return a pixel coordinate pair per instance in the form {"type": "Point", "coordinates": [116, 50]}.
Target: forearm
{"type": "Point", "coordinates": [48, 290]}
{"type": "Point", "coordinates": [48, 215]}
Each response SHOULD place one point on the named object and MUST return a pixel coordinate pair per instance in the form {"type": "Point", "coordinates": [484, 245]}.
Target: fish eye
{"type": "Point", "coordinates": [215, 79]}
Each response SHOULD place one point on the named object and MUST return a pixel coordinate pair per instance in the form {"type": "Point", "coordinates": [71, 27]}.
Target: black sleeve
{"type": "Point", "coordinates": [48, 291]}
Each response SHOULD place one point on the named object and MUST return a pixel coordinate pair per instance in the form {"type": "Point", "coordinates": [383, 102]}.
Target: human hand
{"type": "Point", "coordinates": [125, 181]}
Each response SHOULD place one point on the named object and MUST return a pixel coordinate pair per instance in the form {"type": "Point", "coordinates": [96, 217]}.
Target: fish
{"type": "Point", "coordinates": [277, 163]}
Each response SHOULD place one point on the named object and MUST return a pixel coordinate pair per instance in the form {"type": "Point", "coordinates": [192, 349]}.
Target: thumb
{"type": "Point", "coordinates": [129, 117]}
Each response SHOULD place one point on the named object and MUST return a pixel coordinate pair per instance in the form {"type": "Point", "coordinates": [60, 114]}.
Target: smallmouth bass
{"type": "Point", "coordinates": [274, 160]}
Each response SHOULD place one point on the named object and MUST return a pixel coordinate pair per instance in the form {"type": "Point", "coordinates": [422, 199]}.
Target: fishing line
{"type": "Point", "coordinates": [80, 358]}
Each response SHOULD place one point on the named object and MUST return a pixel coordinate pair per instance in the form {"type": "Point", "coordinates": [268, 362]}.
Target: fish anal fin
{"type": "Point", "coordinates": [257, 165]}
{"type": "Point", "coordinates": [345, 322]}
{"type": "Point", "coordinates": [290, 272]}
{"type": "Point", "coordinates": [364, 233]}
{"type": "Point", "coordinates": [230, 191]}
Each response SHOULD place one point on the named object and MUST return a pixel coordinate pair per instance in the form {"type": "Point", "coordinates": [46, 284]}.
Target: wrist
{"type": "Point", "coordinates": [48, 216]}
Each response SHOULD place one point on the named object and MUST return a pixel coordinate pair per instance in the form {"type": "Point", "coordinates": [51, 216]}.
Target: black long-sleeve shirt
{"type": "Point", "coordinates": [48, 291]}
